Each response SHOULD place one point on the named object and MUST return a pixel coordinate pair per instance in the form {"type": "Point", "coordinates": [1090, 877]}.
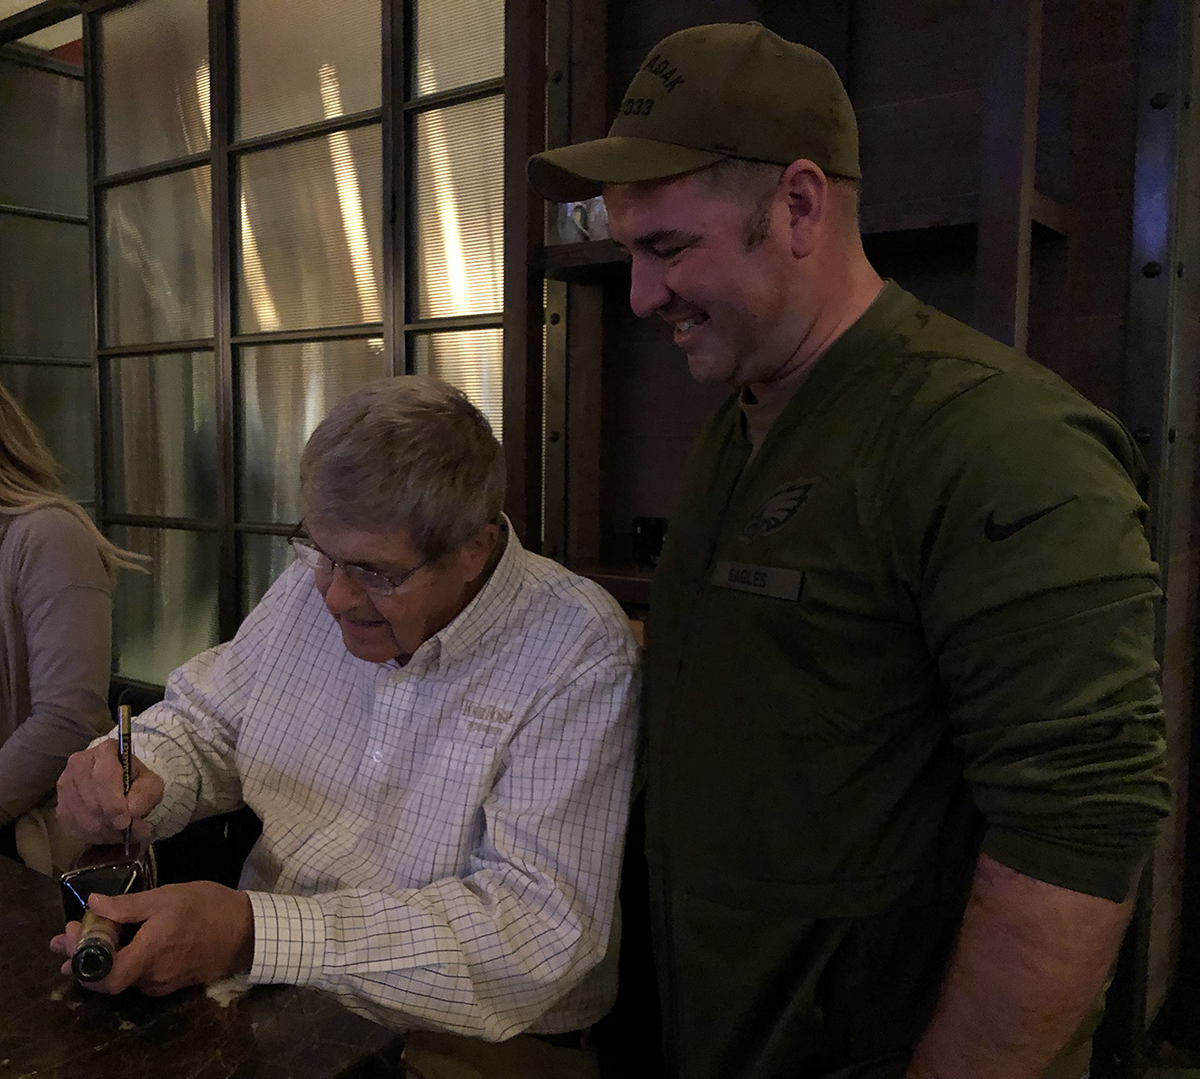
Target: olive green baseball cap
{"type": "Point", "coordinates": [709, 92]}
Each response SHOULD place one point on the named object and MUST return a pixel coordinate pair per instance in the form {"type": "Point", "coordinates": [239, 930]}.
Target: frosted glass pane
{"type": "Point", "coordinates": [154, 82]}
{"type": "Point", "coordinates": [320, 61]}
{"type": "Point", "coordinates": [59, 400]}
{"type": "Point", "coordinates": [459, 209]}
{"type": "Point", "coordinates": [163, 619]}
{"type": "Point", "coordinates": [157, 258]}
{"type": "Point", "coordinates": [472, 360]}
{"type": "Point", "coordinates": [44, 160]}
{"type": "Point", "coordinates": [263, 559]}
{"type": "Point", "coordinates": [448, 57]}
{"type": "Point", "coordinates": [160, 435]}
{"type": "Point", "coordinates": [286, 390]}
{"type": "Point", "coordinates": [45, 292]}
{"type": "Point", "coordinates": [311, 233]}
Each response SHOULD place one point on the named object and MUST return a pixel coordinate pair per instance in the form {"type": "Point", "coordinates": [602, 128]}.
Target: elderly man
{"type": "Point", "coordinates": [904, 733]}
{"type": "Point", "coordinates": [436, 728]}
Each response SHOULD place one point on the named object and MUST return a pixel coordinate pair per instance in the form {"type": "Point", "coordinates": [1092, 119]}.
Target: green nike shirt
{"type": "Point", "coordinates": [917, 625]}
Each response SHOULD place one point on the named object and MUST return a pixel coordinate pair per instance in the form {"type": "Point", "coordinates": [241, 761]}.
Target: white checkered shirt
{"type": "Point", "coordinates": [441, 841]}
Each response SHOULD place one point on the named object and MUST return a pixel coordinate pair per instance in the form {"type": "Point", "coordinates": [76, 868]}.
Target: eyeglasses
{"type": "Point", "coordinates": [378, 584]}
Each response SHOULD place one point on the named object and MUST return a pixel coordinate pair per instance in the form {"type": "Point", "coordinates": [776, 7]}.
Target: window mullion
{"type": "Point", "coordinates": [222, 67]}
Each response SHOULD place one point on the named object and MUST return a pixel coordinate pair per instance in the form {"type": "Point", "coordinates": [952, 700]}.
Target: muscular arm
{"type": "Point", "coordinates": [1044, 640]}
{"type": "Point", "coordinates": [1029, 961]}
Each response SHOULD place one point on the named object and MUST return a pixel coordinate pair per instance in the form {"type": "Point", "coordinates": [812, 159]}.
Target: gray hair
{"type": "Point", "coordinates": [405, 453]}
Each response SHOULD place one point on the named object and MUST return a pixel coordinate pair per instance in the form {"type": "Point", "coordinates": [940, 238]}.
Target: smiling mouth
{"type": "Point", "coordinates": [363, 623]}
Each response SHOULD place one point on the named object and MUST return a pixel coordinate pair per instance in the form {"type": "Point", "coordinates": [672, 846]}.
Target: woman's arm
{"type": "Point", "coordinates": [63, 595]}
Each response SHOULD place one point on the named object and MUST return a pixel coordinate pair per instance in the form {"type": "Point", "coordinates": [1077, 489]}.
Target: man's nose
{"type": "Point", "coordinates": [648, 291]}
{"type": "Point", "coordinates": [343, 593]}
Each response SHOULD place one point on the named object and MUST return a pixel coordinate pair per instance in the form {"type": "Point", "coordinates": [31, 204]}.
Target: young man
{"type": "Point", "coordinates": [904, 733]}
{"type": "Point", "coordinates": [442, 767]}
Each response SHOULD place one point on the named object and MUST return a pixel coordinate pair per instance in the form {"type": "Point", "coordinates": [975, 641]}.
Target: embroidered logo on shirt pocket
{"type": "Point", "coordinates": [485, 722]}
{"type": "Point", "coordinates": [777, 510]}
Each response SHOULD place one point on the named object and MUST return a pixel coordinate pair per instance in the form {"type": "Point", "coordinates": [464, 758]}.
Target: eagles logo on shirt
{"type": "Point", "coordinates": [777, 510]}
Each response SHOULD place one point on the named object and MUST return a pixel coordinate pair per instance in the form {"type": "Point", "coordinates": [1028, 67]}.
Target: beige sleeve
{"type": "Point", "coordinates": [64, 599]}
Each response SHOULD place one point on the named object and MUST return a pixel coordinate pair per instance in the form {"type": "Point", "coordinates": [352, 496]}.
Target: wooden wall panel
{"type": "Point", "coordinates": [1047, 338]}
{"type": "Point", "coordinates": [1008, 142]}
{"type": "Point", "coordinates": [1077, 307]}
{"type": "Point", "coordinates": [1056, 100]}
{"type": "Point", "coordinates": [920, 148]}
{"type": "Point", "coordinates": [904, 51]}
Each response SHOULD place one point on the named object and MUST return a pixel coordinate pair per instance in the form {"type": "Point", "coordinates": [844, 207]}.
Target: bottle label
{"type": "Point", "coordinates": [93, 955]}
{"type": "Point", "coordinates": [95, 929]}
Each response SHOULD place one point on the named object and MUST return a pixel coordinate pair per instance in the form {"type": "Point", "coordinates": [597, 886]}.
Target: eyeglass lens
{"type": "Point", "coordinates": [365, 578]}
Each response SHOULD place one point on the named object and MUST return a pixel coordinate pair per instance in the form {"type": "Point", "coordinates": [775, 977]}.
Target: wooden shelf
{"type": "Point", "coordinates": [590, 262]}
{"type": "Point", "coordinates": [1051, 214]}
{"type": "Point", "coordinates": [931, 213]}
{"type": "Point", "coordinates": [593, 262]}
{"type": "Point", "coordinates": [949, 210]}
{"type": "Point", "coordinates": [629, 582]}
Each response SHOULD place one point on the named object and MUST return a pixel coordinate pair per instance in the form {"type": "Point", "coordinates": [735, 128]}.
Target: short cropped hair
{"type": "Point", "coordinates": [753, 183]}
{"type": "Point", "coordinates": [408, 453]}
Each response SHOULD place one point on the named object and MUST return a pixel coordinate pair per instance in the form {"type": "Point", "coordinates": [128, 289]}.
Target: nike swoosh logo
{"type": "Point", "coordinates": [996, 532]}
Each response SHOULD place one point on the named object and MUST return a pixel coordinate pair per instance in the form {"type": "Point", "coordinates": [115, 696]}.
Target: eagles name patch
{"type": "Point", "coordinates": [777, 510]}
{"type": "Point", "coordinates": [762, 580]}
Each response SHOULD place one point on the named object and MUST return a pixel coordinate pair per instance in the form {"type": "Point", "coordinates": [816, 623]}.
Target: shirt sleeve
{"type": "Point", "coordinates": [190, 738]}
{"type": "Point", "coordinates": [485, 954]}
{"type": "Point", "coordinates": [63, 594]}
{"type": "Point", "coordinates": [1024, 548]}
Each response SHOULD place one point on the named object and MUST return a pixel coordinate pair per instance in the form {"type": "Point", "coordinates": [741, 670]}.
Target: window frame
{"type": "Point", "coordinates": [396, 117]}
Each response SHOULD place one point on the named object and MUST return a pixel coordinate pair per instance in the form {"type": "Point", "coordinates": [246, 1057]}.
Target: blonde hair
{"type": "Point", "coordinates": [29, 481]}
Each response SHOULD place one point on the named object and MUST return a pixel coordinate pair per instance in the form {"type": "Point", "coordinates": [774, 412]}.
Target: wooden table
{"type": "Point", "coordinates": [51, 1028]}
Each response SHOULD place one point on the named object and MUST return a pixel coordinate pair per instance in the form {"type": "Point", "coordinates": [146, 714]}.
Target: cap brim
{"type": "Point", "coordinates": [571, 173]}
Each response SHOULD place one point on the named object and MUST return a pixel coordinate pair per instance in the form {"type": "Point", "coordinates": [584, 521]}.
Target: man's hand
{"type": "Point", "coordinates": [190, 934]}
{"type": "Point", "coordinates": [92, 805]}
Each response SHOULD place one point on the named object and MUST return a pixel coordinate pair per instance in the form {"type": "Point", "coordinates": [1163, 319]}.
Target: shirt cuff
{"type": "Point", "coordinates": [1113, 876]}
{"type": "Point", "coordinates": [289, 939]}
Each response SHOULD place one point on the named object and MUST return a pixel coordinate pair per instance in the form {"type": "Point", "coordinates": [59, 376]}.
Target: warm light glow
{"type": "Point", "coordinates": [256, 280]}
{"type": "Point", "coordinates": [202, 96]}
{"type": "Point", "coordinates": [446, 205]}
{"type": "Point", "coordinates": [471, 288]}
{"type": "Point", "coordinates": [471, 360]}
{"type": "Point", "coordinates": [204, 106]}
{"type": "Point", "coordinates": [350, 198]}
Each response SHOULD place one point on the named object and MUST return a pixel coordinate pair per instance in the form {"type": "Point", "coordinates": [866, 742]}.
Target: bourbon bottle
{"type": "Point", "coordinates": [106, 870]}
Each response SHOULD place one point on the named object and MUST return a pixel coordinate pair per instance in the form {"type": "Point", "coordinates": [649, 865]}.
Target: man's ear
{"type": "Point", "coordinates": [806, 189]}
{"type": "Point", "coordinates": [478, 549]}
